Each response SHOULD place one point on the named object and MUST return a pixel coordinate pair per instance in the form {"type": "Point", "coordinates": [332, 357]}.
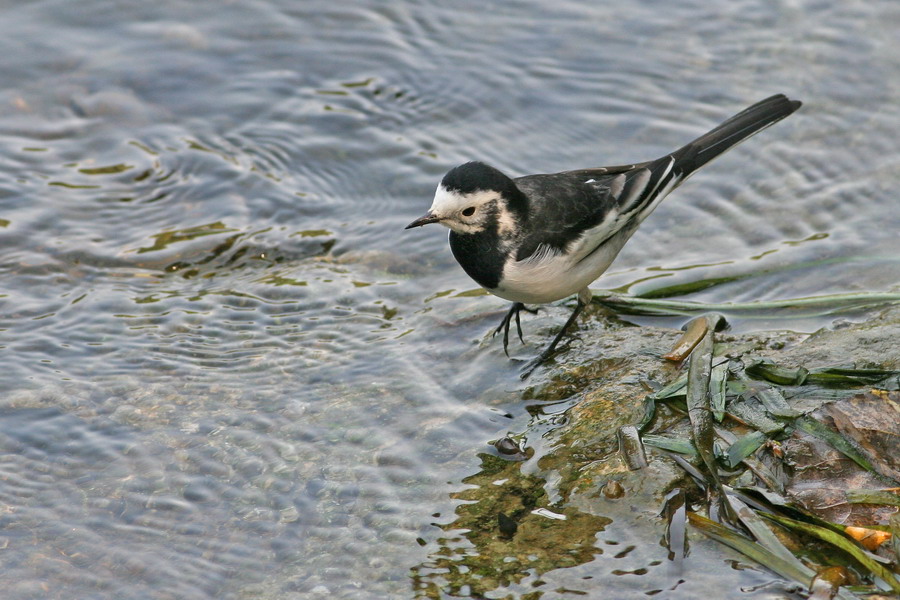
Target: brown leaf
{"type": "Point", "coordinates": [871, 420]}
{"type": "Point", "coordinates": [871, 539]}
{"type": "Point", "coordinates": [819, 477]}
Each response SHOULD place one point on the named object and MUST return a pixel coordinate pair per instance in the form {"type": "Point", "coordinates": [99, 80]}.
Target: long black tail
{"type": "Point", "coordinates": [732, 132]}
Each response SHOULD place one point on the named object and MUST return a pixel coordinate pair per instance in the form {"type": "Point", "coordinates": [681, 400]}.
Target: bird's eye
{"type": "Point", "coordinates": [469, 211]}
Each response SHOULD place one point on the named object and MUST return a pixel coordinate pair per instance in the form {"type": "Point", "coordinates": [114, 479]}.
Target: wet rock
{"type": "Point", "coordinates": [871, 342]}
{"type": "Point", "coordinates": [611, 367]}
{"type": "Point", "coordinates": [507, 446]}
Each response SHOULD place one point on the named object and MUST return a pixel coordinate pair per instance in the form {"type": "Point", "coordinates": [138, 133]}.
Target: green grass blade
{"type": "Point", "coordinates": [677, 445]}
{"type": "Point", "coordinates": [894, 522]}
{"type": "Point", "coordinates": [834, 439]}
{"type": "Point", "coordinates": [718, 388]}
{"type": "Point", "coordinates": [845, 377]}
{"type": "Point", "coordinates": [673, 390]}
{"type": "Point", "coordinates": [751, 549]}
{"type": "Point", "coordinates": [763, 369]}
{"type": "Point", "coordinates": [765, 536]}
{"type": "Point", "coordinates": [753, 413]}
{"type": "Point", "coordinates": [839, 541]}
{"type": "Point", "coordinates": [808, 306]}
{"type": "Point", "coordinates": [698, 403]}
{"type": "Point", "coordinates": [744, 447]}
{"type": "Point", "coordinates": [863, 496]}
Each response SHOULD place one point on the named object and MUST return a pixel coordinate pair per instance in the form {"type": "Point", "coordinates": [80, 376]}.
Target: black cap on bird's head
{"type": "Point", "coordinates": [475, 176]}
{"type": "Point", "coordinates": [469, 194]}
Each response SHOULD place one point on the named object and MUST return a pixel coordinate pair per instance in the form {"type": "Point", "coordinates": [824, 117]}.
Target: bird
{"type": "Point", "coordinates": [540, 238]}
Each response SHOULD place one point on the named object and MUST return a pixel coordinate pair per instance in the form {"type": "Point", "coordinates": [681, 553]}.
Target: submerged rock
{"type": "Point", "coordinates": [545, 512]}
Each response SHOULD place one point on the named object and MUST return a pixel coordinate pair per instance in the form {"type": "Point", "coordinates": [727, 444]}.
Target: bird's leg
{"type": "Point", "coordinates": [519, 323]}
{"type": "Point", "coordinates": [514, 310]}
{"type": "Point", "coordinates": [584, 298]}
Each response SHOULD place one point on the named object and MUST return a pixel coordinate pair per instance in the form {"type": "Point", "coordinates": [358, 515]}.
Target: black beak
{"type": "Point", "coordinates": [423, 220]}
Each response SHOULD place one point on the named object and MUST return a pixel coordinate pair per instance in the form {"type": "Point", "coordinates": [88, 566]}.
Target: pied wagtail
{"type": "Point", "coordinates": [541, 238]}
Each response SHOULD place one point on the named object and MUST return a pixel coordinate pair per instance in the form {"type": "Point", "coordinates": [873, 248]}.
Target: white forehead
{"type": "Point", "coordinates": [451, 201]}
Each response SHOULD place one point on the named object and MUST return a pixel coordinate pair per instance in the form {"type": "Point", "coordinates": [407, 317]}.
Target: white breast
{"type": "Point", "coordinates": [548, 276]}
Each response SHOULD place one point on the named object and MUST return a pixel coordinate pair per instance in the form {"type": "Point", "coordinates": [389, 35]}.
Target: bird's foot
{"type": "Point", "coordinates": [549, 352]}
{"type": "Point", "coordinates": [514, 311]}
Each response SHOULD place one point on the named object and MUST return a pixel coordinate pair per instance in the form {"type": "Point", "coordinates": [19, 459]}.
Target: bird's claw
{"type": "Point", "coordinates": [514, 311]}
{"type": "Point", "coordinates": [548, 353]}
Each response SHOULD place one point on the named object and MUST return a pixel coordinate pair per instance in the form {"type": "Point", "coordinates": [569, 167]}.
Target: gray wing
{"type": "Point", "coordinates": [577, 211]}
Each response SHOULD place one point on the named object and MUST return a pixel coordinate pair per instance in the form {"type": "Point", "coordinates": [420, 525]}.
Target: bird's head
{"type": "Point", "coordinates": [472, 198]}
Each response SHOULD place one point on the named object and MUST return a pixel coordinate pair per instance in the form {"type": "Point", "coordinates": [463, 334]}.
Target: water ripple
{"type": "Point", "coordinates": [230, 371]}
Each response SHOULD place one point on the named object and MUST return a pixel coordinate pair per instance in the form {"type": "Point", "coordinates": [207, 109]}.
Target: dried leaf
{"type": "Point", "coordinates": [822, 477]}
{"type": "Point", "coordinates": [872, 422]}
{"type": "Point", "coordinates": [693, 333]}
{"type": "Point", "coordinates": [871, 539]}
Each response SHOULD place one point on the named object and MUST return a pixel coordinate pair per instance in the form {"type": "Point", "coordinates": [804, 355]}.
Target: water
{"type": "Point", "coordinates": [228, 371]}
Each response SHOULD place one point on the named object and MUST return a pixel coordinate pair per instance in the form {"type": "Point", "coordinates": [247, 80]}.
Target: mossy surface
{"type": "Point", "coordinates": [521, 520]}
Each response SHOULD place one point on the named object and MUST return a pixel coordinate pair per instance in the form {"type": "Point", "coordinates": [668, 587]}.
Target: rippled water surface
{"type": "Point", "coordinates": [229, 372]}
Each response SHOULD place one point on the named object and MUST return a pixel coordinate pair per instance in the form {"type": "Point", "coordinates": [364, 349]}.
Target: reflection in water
{"type": "Point", "coordinates": [503, 532]}
{"type": "Point", "coordinates": [191, 233]}
{"type": "Point", "coordinates": [108, 170]}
